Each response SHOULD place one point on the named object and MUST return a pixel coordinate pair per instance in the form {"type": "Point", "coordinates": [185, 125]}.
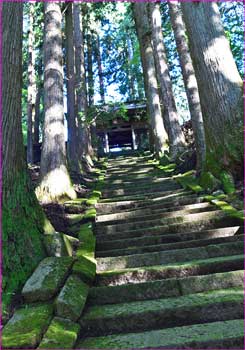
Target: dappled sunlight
{"type": "Point", "coordinates": [55, 185]}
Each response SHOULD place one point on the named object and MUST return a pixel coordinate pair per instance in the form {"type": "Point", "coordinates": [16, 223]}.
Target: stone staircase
{"type": "Point", "coordinates": [169, 267]}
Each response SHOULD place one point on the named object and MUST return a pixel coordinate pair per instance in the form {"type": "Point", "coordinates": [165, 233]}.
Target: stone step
{"type": "Point", "coordinates": [184, 227]}
{"type": "Point", "coordinates": [165, 288]}
{"type": "Point", "coordinates": [150, 213]}
{"type": "Point", "coordinates": [156, 203]}
{"type": "Point", "coordinates": [140, 182]}
{"type": "Point", "coordinates": [167, 246]}
{"type": "Point", "coordinates": [143, 197]}
{"type": "Point", "coordinates": [214, 335]}
{"type": "Point", "coordinates": [132, 171]}
{"type": "Point", "coordinates": [161, 219]}
{"type": "Point", "coordinates": [134, 190]}
{"type": "Point", "coordinates": [129, 166]}
{"type": "Point", "coordinates": [211, 306]}
{"type": "Point", "coordinates": [167, 219]}
{"type": "Point", "coordinates": [167, 257]}
{"type": "Point", "coordinates": [182, 269]}
{"type": "Point", "coordinates": [149, 240]}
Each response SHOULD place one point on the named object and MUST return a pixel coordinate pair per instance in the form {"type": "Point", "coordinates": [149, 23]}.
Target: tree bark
{"type": "Point", "coordinates": [72, 144]}
{"type": "Point", "coordinates": [31, 90]}
{"type": "Point", "coordinates": [171, 119]}
{"type": "Point", "coordinates": [151, 86]}
{"type": "Point", "coordinates": [55, 180]}
{"type": "Point", "coordinates": [22, 217]}
{"type": "Point", "coordinates": [90, 69]}
{"type": "Point", "coordinates": [219, 83]}
{"type": "Point", "coordinates": [81, 87]}
{"type": "Point", "coordinates": [190, 82]}
{"type": "Point", "coordinates": [100, 70]}
{"type": "Point", "coordinates": [131, 76]}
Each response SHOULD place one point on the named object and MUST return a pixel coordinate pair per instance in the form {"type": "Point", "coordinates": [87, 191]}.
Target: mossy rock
{"type": "Point", "coordinates": [72, 298]}
{"type": "Point", "coordinates": [57, 245]}
{"type": "Point", "coordinates": [47, 279]}
{"type": "Point", "coordinates": [88, 241]}
{"type": "Point", "coordinates": [61, 334]}
{"type": "Point", "coordinates": [227, 182]}
{"type": "Point", "coordinates": [85, 269]}
{"type": "Point", "coordinates": [209, 181]}
{"type": "Point", "coordinates": [90, 214]}
{"type": "Point", "coordinates": [74, 219]}
{"type": "Point", "coordinates": [25, 329]}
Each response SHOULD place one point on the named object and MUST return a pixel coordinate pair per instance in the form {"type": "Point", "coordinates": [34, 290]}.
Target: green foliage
{"type": "Point", "coordinates": [227, 182]}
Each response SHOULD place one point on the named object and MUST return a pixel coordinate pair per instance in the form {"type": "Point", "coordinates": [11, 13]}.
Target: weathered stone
{"type": "Point", "coordinates": [72, 298]}
{"type": "Point", "coordinates": [87, 239]}
{"type": "Point", "coordinates": [85, 268]}
{"type": "Point", "coordinates": [215, 335]}
{"type": "Point", "coordinates": [25, 329]}
{"type": "Point", "coordinates": [57, 245]}
{"type": "Point", "coordinates": [61, 334]}
{"type": "Point", "coordinates": [47, 279]}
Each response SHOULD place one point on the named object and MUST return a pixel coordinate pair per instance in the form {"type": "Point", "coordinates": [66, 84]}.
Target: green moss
{"type": "Point", "coordinates": [90, 214]}
{"type": "Point", "coordinates": [85, 268]}
{"type": "Point", "coordinates": [189, 181]}
{"type": "Point", "coordinates": [72, 298]}
{"type": "Point", "coordinates": [61, 333]}
{"type": "Point", "coordinates": [229, 210]}
{"type": "Point", "coordinates": [209, 182]}
{"type": "Point", "coordinates": [46, 280]}
{"type": "Point", "coordinates": [25, 328]}
{"type": "Point", "coordinates": [87, 239]}
{"type": "Point", "coordinates": [23, 227]}
{"type": "Point", "coordinates": [227, 182]}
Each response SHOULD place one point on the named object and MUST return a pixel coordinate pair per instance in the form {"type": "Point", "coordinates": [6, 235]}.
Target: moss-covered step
{"type": "Point", "coordinates": [47, 279]}
{"type": "Point", "coordinates": [172, 287]}
{"type": "Point", "coordinates": [58, 244]}
{"type": "Point", "coordinates": [72, 298]}
{"type": "Point", "coordinates": [149, 213]}
{"type": "Point", "coordinates": [61, 334]}
{"type": "Point", "coordinates": [211, 306]}
{"type": "Point", "coordinates": [87, 239]}
{"type": "Point", "coordinates": [148, 240]}
{"type": "Point", "coordinates": [165, 219]}
{"type": "Point", "coordinates": [215, 335]}
{"type": "Point", "coordinates": [167, 257]}
{"type": "Point", "coordinates": [208, 222]}
{"type": "Point", "coordinates": [135, 190]}
{"type": "Point", "coordinates": [150, 273]}
{"type": "Point", "coordinates": [85, 269]}
{"type": "Point", "coordinates": [155, 203]}
{"type": "Point", "coordinates": [26, 327]}
{"type": "Point", "coordinates": [168, 246]}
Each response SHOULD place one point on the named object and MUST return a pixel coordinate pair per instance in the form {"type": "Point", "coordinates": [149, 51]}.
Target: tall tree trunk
{"type": "Point", "coordinates": [38, 103]}
{"type": "Point", "coordinates": [55, 180]}
{"type": "Point", "coordinates": [90, 69]}
{"type": "Point", "coordinates": [22, 217]}
{"type": "Point", "coordinates": [31, 92]}
{"type": "Point", "coordinates": [220, 85]}
{"type": "Point", "coordinates": [81, 87]}
{"type": "Point", "coordinates": [72, 144]}
{"type": "Point", "coordinates": [171, 119]}
{"type": "Point", "coordinates": [131, 76]}
{"type": "Point", "coordinates": [190, 82]}
{"type": "Point", "coordinates": [153, 101]}
{"type": "Point", "coordinates": [100, 69]}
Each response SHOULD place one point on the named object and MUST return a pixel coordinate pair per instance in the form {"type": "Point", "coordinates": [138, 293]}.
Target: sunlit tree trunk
{"type": "Point", "coordinates": [171, 119]}
{"type": "Point", "coordinates": [100, 70]}
{"type": "Point", "coordinates": [219, 83]}
{"type": "Point", "coordinates": [55, 182]}
{"type": "Point", "coordinates": [21, 214]}
{"type": "Point", "coordinates": [131, 76]}
{"type": "Point", "coordinates": [72, 145]}
{"type": "Point", "coordinates": [153, 101]}
{"type": "Point", "coordinates": [190, 83]}
{"type": "Point", "coordinates": [31, 91]}
{"type": "Point", "coordinates": [81, 87]}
